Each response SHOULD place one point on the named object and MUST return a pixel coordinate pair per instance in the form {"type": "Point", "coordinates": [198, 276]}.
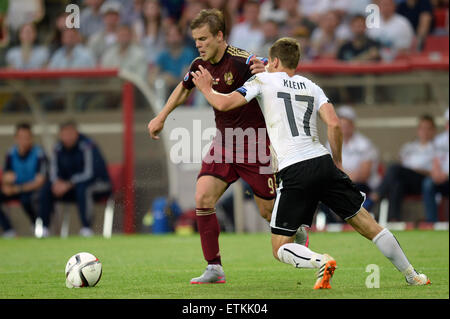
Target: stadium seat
{"type": "Point", "coordinates": [116, 175]}
{"type": "Point", "coordinates": [435, 43]}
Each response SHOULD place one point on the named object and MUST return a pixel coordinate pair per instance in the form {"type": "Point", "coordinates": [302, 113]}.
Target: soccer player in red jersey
{"type": "Point", "coordinates": [230, 67]}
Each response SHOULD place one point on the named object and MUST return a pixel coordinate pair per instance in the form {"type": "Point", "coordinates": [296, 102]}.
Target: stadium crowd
{"type": "Point", "coordinates": [151, 38]}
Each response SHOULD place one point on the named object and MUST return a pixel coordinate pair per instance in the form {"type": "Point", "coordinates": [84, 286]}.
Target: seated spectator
{"type": "Point", "coordinates": [248, 35]}
{"type": "Point", "coordinates": [173, 63]}
{"type": "Point", "coordinates": [293, 18]}
{"type": "Point", "coordinates": [53, 40]}
{"type": "Point", "coordinates": [359, 156]}
{"type": "Point", "coordinates": [72, 54]}
{"type": "Point", "coordinates": [149, 30]}
{"type": "Point", "coordinates": [78, 174]}
{"type": "Point", "coordinates": [91, 20]}
{"type": "Point", "coordinates": [28, 55]}
{"type": "Point", "coordinates": [190, 11]}
{"type": "Point", "coordinates": [325, 41]}
{"type": "Point", "coordinates": [21, 12]}
{"type": "Point", "coordinates": [271, 34]}
{"type": "Point", "coordinates": [226, 7]}
{"type": "Point", "coordinates": [271, 10]}
{"type": "Point", "coordinates": [360, 47]}
{"type": "Point", "coordinates": [103, 40]}
{"type": "Point", "coordinates": [314, 9]}
{"type": "Point", "coordinates": [420, 15]}
{"type": "Point", "coordinates": [24, 177]}
{"type": "Point", "coordinates": [440, 17]}
{"type": "Point", "coordinates": [437, 182]}
{"type": "Point", "coordinates": [395, 33]}
{"type": "Point", "coordinates": [406, 177]}
{"type": "Point", "coordinates": [125, 54]}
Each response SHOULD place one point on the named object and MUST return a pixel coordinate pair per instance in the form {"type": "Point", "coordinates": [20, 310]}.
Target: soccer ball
{"type": "Point", "coordinates": [83, 270]}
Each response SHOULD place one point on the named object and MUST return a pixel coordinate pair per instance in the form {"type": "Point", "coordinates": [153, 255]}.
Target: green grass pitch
{"type": "Point", "coordinates": [160, 267]}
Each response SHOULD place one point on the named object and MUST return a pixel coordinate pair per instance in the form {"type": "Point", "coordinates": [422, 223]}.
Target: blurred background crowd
{"type": "Point", "coordinates": [152, 37]}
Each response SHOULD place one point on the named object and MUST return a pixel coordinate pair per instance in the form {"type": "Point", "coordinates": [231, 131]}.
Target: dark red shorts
{"type": "Point", "coordinates": [262, 184]}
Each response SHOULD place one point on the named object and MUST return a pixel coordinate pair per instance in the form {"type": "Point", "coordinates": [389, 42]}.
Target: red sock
{"type": "Point", "coordinates": [209, 230]}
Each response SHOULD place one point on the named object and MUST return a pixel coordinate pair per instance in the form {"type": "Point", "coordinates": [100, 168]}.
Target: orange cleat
{"type": "Point", "coordinates": [325, 273]}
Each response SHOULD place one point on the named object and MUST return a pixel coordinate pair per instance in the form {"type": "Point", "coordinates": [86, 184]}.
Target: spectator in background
{"type": "Point", "coordinates": [24, 177]}
{"type": "Point", "coordinates": [190, 11]}
{"type": "Point", "coordinates": [293, 18]}
{"type": "Point", "coordinates": [54, 38]}
{"type": "Point", "coordinates": [324, 39]}
{"type": "Point", "coordinates": [359, 155]}
{"type": "Point", "coordinates": [406, 177]}
{"type": "Point", "coordinates": [248, 34]}
{"type": "Point", "coordinates": [125, 54]}
{"type": "Point", "coordinates": [314, 9]}
{"type": "Point", "coordinates": [360, 47]}
{"type": "Point", "coordinates": [72, 54]}
{"type": "Point", "coordinates": [21, 12]}
{"type": "Point", "coordinates": [78, 173]}
{"type": "Point", "coordinates": [28, 55]}
{"type": "Point", "coordinates": [149, 30]}
{"type": "Point", "coordinates": [420, 15]}
{"type": "Point", "coordinates": [91, 20]}
{"type": "Point", "coordinates": [173, 63]}
{"type": "Point", "coordinates": [438, 181]}
{"type": "Point", "coordinates": [440, 17]}
{"type": "Point", "coordinates": [359, 158]}
{"type": "Point", "coordinates": [272, 10]}
{"type": "Point", "coordinates": [271, 34]}
{"type": "Point", "coordinates": [395, 33]}
{"type": "Point", "coordinates": [174, 8]}
{"type": "Point", "coordinates": [103, 40]}
{"type": "Point", "coordinates": [225, 7]}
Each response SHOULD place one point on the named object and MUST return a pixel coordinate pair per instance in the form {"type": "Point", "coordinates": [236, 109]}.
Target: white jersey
{"type": "Point", "coordinates": [290, 106]}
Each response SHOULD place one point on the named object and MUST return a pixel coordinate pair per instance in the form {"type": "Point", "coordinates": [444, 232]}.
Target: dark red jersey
{"type": "Point", "coordinates": [230, 73]}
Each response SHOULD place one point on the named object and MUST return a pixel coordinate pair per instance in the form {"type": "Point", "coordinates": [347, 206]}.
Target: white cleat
{"type": "Point", "coordinates": [213, 274]}
{"type": "Point", "coordinates": [418, 280]}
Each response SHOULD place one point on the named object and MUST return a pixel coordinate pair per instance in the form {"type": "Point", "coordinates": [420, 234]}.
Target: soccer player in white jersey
{"type": "Point", "coordinates": [307, 171]}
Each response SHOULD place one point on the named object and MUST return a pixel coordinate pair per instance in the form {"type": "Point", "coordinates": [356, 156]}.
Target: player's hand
{"type": "Point", "coordinates": [155, 126]}
{"type": "Point", "coordinates": [202, 79]}
{"type": "Point", "coordinates": [257, 65]}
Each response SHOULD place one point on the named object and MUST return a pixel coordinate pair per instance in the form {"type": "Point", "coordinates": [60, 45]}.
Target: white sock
{"type": "Point", "coordinates": [299, 256]}
{"type": "Point", "coordinates": [390, 248]}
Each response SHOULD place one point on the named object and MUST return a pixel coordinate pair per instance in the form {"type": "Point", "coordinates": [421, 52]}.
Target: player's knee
{"type": "Point", "coordinates": [275, 252]}
{"type": "Point", "coordinates": [204, 200]}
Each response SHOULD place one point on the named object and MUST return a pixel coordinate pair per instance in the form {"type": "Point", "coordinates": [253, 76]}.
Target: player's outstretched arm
{"type": "Point", "coordinates": [177, 97]}
{"type": "Point", "coordinates": [334, 132]}
{"type": "Point", "coordinates": [222, 102]}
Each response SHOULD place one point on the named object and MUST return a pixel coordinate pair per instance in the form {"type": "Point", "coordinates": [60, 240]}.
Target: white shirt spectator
{"type": "Point", "coordinates": [268, 12]}
{"type": "Point", "coordinates": [80, 57]}
{"type": "Point", "coordinates": [357, 150]}
{"type": "Point", "coordinates": [133, 60]}
{"type": "Point", "coordinates": [416, 156]}
{"type": "Point", "coordinates": [21, 12]}
{"type": "Point", "coordinates": [441, 143]}
{"type": "Point", "coordinates": [396, 33]}
{"type": "Point", "coordinates": [38, 58]}
{"type": "Point", "coordinates": [313, 7]}
{"type": "Point", "coordinates": [244, 37]}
